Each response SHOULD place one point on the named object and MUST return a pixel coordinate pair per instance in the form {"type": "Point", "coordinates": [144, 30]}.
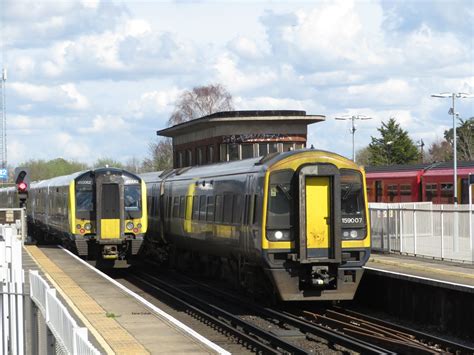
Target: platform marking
{"type": "Point", "coordinates": [154, 308]}
{"type": "Point", "coordinates": [422, 268]}
{"type": "Point", "coordinates": [419, 277]}
{"type": "Point", "coordinates": [119, 341]}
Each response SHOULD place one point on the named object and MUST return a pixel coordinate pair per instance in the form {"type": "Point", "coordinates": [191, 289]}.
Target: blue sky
{"type": "Point", "coordinates": [93, 79]}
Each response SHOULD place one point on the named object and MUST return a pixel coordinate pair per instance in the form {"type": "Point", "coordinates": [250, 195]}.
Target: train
{"type": "Point", "coordinates": [420, 182]}
{"type": "Point", "coordinates": [100, 214]}
{"type": "Point", "coordinates": [292, 225]}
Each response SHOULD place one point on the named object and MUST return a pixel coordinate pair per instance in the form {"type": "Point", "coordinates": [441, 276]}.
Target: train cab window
{"type": "Point", "coordinates": [84, 200]}
{"type": "Point", "coordinates": [132, 197]}
{"type": "Point", "coordinates": [227, 206]}
{"type": "Point", "coordinates": [280, 200]}
{"type": "Point", "coordinates": [352, 195]}
{"type": "Point", "coordinates": [210, 208]}
{"type": "Point", "coordinates": [218, 209]}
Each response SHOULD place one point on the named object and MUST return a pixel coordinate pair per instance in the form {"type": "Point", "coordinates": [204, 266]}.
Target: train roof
{"type": "Point", "coordinates": [66, 179]}
{"type": "Point", "coordinates": [244, 166]}
{"type": "Point", "coordinates": [417, 167]}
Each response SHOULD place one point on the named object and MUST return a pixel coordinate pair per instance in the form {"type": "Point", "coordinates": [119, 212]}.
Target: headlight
{"type": "Point", "coordinates": [353, 234]}
{"type": "Point", "coordinates": [279, 235]}
{"type": "Point", "coordinates": [88, 226]}
{"type": "Point", "coordinates": [130, 226]}
{"type": "Point", "coordinates": [78, 226]}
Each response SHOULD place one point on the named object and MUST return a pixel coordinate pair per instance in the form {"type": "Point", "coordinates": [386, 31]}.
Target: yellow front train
{"type": "Point", "coordinates": [101, 214]}
{"type": "Point", "coordinates": [295, 223]}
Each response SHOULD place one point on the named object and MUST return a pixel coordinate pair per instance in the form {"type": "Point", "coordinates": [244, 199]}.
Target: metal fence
{"type": "Point", "coordinates": [44, 326]}
{"type": "Point", "coordinates": [71, 338]}
{"type": "Point", "coordinates": [11, 284]}
{"type": "Point", "coordinates": [424, 229]}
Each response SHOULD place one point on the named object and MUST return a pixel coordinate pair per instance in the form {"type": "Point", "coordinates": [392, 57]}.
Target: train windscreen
{"type": "Point", "coordinates": [352, 205]}
{"type": "Point", "coordinates": [280, 206]}
{"type": "Point", "coordinates": [85, 206]}
{"type": "Point", "coordinates": [132, 201]}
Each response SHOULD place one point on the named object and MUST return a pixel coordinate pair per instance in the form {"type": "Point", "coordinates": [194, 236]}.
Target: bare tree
{"type": "Point", "coordinates": [201, 101]}
{"type": "Point", "coordinates": [161, 156]}
{"type": "Point", "coordinates": [440, 151]}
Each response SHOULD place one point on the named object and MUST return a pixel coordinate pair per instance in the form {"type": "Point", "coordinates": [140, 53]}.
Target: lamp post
{"type": "Point", "coordinates": [353, 128]}
{"type": "Point", "coordinates": [451, 111]}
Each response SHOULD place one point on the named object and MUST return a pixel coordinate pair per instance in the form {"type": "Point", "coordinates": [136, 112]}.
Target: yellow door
{"type": "Point", "coordinates": [317, 212]}
{"type": "Point", "coordinates": [110, 228]}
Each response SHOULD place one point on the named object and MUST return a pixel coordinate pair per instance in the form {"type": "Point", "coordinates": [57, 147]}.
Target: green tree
{"type": "Point", "coordinates": [393, 147]}
{"type": "Point", "coordinates": [41, 169]}
{"type": "Point", "coordinates": [465, 139]}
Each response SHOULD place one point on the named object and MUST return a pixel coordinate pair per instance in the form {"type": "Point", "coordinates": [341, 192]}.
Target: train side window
{"type": "Point", "coordinates": [431, 191]}
{"type": "Point", "coordinates": [447, 192]}
{"type": "Point", "coordinates": [210, 208]}
{"type": "Point", "coordinates": [202, 208]}
{"type": "Point", "coordinates": [237, 210]}
{"type": "Point", "coordinates": [195, 208]}
{"type": "Point", "coordinates": [227, 206]}
{"type": "Point", "coordinates": [182, 207]}
{"type": "Point", "coordinates": [218, 209]}
{"type": "Point", "coordinates": [176, 206]}
{"type": "Point", "coordinates": [246, 210]}
{"type": "Point", "coordinates": [253, 209]}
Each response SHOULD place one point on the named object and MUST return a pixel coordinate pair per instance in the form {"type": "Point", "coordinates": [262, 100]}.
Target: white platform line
{"type": "Point", "coordinates": [419, 277]}
{"type": "Point", "coordinates": [154, 308]}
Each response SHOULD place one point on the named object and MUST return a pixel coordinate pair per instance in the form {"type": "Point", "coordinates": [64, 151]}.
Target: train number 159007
{"type": "Point", "coordinates": [352, 220]}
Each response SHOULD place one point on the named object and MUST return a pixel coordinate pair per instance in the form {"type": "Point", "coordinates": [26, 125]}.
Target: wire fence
{"type": "Point", "coordinates": [423, 229]}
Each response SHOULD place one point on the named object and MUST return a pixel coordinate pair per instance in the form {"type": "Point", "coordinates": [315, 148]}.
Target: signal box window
{"type": "Point", "coordinates": [262, 149]}
{"type": "Point", "coordinates": [247, 151]}
{"type": "Point", "coordinates": [233, 152]}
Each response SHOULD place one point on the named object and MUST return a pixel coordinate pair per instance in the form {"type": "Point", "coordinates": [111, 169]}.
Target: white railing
{"type": "Point", "coordinates": [72, 338]}
{"type": "Point", "coordinates": [11, 290]}
{"type": "Point", "coordinates": [424, 229]}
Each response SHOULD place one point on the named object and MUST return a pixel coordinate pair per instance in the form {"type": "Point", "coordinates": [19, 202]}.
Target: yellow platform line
{"type": "Point", "coordinates": [108, 332]}
{"type": "Point", "coordinates": [421, 268]}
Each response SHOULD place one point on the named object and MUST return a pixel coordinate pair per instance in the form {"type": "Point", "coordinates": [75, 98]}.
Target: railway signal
{"type": "Point", "coordinates": [22, 181]}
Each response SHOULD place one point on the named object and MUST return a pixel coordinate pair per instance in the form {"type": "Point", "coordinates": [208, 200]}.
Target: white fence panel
{"type": "Point", "coordinates": [438, 231]}
{"type": "Point", "coordinates": [71, 337]}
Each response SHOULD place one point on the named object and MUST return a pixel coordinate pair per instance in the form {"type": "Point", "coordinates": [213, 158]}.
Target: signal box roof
{"type": "Point", "coordinates": [226, 117]}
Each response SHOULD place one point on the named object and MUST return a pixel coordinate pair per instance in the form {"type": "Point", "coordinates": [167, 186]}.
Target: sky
{"type": "Point", "coordinates": [97, 78]}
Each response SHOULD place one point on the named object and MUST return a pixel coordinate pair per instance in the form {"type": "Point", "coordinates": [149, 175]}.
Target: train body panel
{"type": "Point", "coordinates": [300, 218]}
{"type": "Point", "coordinates": [416, 183]}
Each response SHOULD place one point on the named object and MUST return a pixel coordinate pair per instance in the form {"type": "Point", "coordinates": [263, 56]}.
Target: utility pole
{"type": "Point", "coordinates": [353, 128]}
{"type": "Point", "coordinates": [3, 123]}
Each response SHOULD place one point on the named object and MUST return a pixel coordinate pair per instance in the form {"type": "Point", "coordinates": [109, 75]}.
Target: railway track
{"type": "Point", "coordinates": [395, 337]}
{"type": "Point", "coordinates": [276, 332]}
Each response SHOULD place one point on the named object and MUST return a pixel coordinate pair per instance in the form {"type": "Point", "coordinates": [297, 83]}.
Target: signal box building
{"type": "Point", "coordinates": [235, 135]}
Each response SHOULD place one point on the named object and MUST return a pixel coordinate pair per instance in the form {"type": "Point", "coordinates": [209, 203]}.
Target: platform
{"type": "Point", "coordinates": [456, 276]}
{"type": "Point", "coordinates": [119, 321]}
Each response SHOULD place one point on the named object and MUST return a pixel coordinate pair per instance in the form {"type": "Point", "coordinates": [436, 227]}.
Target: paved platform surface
{"type": "Point", "coordinates": [440, 273]}
{"type": "Point", "coordinates": [119, 323]}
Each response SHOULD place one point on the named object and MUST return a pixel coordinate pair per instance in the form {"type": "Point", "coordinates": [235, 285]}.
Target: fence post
{"type": "Point", "coordinates": [414, 229]}
{"type": "Point", "coordinates": [401, 229]}
{"type": "Point", "coordinates": [442, 231]}
{"type": "Point", "coordinates": [388, 229]}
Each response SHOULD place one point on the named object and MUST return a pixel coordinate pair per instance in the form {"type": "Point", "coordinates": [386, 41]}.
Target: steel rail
{"type": "Point", "coordinates": [350, 342]}
{"type": "Point", "coordinates": [432, 340]}
{"type": "Point", "coordinates": [237, 326]}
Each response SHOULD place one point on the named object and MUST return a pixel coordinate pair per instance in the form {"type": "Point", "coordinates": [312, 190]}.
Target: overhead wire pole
{"type": "Point", "coordinates": [353, 128]}
{"type": "Point", "coordinates": [3, 133]}
{"type": "Point", "coordinates": [452, 111]}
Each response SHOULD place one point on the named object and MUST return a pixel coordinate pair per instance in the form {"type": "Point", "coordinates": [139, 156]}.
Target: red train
{"type": "Point", "coordinates": [422, 182]}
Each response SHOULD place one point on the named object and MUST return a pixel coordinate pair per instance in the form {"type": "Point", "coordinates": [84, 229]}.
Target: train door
{"type": "Point", "coordinates": [109, 211]}
{"type": "Point", "coordinates": [378, 191]}
{"type": "Point", "coordinates": [464, 191]}
{"type": "Point", "coordinates": [319, 215]}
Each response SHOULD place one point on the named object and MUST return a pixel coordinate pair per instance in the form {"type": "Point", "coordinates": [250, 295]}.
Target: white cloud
{"type": "Point", "coordinates": [153, 103]}
{"type": "Point", "coordinates": [104, 125]}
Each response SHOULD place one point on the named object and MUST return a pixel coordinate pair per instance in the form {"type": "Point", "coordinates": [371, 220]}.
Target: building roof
{"type": "Point", "coordinates": [240, 116]}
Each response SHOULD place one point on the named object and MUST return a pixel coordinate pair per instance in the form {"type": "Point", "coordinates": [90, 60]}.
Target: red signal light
{"type": "Point", "coordinates": [22, 186]}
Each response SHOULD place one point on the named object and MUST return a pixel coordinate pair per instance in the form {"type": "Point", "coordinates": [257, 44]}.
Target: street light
{"type": "Point", "coordinates": [353, 129]}
{"type": "Point", "coordinates": [453, 95]}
